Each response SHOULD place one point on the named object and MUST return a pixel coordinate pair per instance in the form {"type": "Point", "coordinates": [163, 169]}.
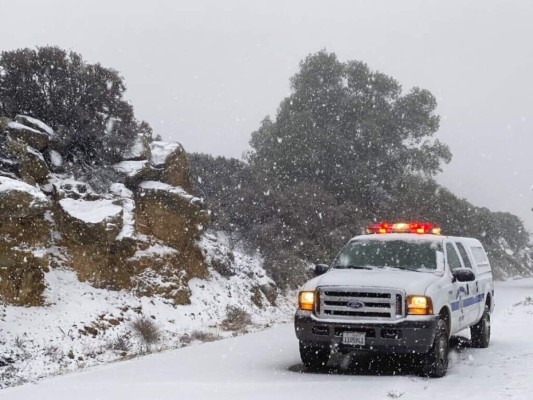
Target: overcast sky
{"type": "Point", "coordinates": [207, 72]}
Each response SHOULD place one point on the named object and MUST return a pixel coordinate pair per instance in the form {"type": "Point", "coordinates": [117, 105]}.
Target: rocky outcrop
{"type": "Point", "coordinates": [140, 235]}
{"type": "Point", "coordinates": [176, 171]}
{"type": "Point", "coordinates": [169, 213]}
{"type": "Point", "coordinates": [24, 235]}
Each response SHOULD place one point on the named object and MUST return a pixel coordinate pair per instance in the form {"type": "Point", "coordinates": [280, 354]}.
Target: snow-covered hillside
{"type": "Point", "coordinates": [81, 326]}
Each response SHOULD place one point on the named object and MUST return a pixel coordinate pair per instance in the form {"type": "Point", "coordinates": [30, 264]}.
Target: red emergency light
{"type": "Point", "coordinates": [404, 227]}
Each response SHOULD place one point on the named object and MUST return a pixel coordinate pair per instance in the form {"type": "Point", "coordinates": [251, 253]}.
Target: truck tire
{"type": "Point", "coordinates": [480, 332]}
{"type": "Point", "coordinates": [435, 361]}
{"type": "Point", "coordinates": [314, 358]}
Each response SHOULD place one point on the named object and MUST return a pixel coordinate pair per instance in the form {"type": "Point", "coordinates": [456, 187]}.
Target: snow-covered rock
{"type": "Point", "coordinates": [20, 200]}
{"type": "Point", "coordinates": [33, 168]}
{"type": "Point", "coordinates": [139, 150]}
{"type": "Point", "coordinates": [33, 137]}
{"type": "Point", "coordinates": [131, 168]}
{"type": "Point", "coordinates": [35, 124]}
{"type": "Point", "coordinates": [89, 222]}
{"type": "Point", "coordinates": [160, 151]}
{"type": "Point", "coordinates": [170, 214]}
{"type": "Point", "coordinates": [173, 159]}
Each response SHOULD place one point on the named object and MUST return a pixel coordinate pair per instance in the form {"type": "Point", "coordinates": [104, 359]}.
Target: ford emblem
{"type": "Point", "coordinates": [355, 304]}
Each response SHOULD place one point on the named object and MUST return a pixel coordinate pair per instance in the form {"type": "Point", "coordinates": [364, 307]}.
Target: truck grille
{"type": "Point", "coordinates": [359, 304]}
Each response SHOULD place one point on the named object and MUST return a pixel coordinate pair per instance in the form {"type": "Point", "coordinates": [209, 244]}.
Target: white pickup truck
{"type": "Point", "coordinates": [402, 288]}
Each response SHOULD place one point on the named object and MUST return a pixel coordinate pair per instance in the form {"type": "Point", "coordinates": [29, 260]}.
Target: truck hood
{"type": "Point", "coordinates": [412, 282]}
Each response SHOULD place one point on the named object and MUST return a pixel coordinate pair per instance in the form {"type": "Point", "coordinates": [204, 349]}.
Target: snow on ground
{"type": "Point", "coordinates": [81, 326]}
{"type": "Point", "coordinates": [266, 365]}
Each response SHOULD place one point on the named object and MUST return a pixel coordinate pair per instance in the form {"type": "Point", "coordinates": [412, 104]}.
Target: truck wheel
{"type": "Point", "coordinates": [435, 361]}
{"type": "Point", "coordinates": [480, 332]}
{"type": "Point", "coordinates": [314, 358]}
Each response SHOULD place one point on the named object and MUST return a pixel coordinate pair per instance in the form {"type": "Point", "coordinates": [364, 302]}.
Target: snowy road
{"type": "Point", "coordinates": [266, 365]}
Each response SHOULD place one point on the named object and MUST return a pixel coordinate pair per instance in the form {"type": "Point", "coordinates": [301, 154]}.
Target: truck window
{"type": "Point", "coordinates": [453, 258]}
{"type": "Point", "coordinates": [412, 255]}
{"type": "Point", "coordinates": [464, 256]}
{"type": "Point", "coordinates": [480, 256]}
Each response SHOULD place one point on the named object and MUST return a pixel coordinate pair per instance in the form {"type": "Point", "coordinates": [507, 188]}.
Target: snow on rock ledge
{"type": "Point", "coordinates": [154, 185]}
{"type": "Point", "coordinates": [88, 222]}
{"type": "Point", "coordinates": [33, 137]}
{"type": "Point", "coordinates": [34, 123]}
{"type": "Point", "coordinates": [130, 168]}
{"type": "Point", "coordinates": [92, 212]}
{"type": "Point", "coordinates": [19, 199]}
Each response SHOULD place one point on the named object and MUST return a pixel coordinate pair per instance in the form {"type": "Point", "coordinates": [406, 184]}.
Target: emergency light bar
{"type": "Point", "coordinates": [404, 227]}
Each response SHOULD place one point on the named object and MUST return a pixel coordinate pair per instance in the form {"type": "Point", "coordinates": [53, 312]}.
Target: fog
{"type": "Point", "coordinates": [207, 72]}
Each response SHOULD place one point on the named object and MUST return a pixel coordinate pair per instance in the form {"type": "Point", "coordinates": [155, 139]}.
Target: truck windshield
{"type": "Point", "coordinates": [369, 254]}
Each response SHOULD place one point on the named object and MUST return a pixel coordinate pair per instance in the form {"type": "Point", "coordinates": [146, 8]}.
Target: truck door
{"type": "Point", "coordinates": [472, 301]}
{"type": "Point", "coordinates": [459, 290]}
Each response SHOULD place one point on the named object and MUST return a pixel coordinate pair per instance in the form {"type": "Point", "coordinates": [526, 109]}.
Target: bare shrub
{"type": "Point", "coordinates": [236, 319]}
{"type": "Point", "coordinates": [54, 353]}
{"type": "Point", "coordinates": [147, 330]}
{"type": "Point", "coordinates": [121, 343]}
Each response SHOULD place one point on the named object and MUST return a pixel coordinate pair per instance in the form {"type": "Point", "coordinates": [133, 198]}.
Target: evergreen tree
{"type": "Point", "coordinates": [350, 130]}
{"type": "Point", "coordinates": [83, 102]}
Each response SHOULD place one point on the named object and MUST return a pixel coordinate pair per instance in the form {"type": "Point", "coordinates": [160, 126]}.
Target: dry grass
{"type": "Point", "coordinates": [200, 336]}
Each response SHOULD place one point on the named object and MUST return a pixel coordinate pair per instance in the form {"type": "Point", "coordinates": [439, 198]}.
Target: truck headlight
{"type": "Point", "coordinates": [419, 305]}
{"type": "Point", "coordinates": [306, 300]}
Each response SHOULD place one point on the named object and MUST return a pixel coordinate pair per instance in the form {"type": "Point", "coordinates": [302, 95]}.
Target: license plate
{"type": "Point", "coordinates": [353, 338]}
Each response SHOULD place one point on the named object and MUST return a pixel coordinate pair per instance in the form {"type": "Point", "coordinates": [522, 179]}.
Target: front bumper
{"type": "Point", "coordinates": [404, 336]}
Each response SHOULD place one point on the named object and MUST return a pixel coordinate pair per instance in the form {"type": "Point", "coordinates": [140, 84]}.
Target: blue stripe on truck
{"type": "Point", "coordinates": [469, 301]}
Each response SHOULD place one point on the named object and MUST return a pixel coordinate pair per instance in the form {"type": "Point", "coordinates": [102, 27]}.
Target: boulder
{"type": "Point", "coordinates": [103, 265]}
{"type": "Point", "coordinates": [34, 123]}
{"type": "Point", "coordinates": [169, 213]}
{"type": "Point", "coordinates": [20, 200]}
{"type": "Point", "coordinates": [163, 271]}
{"type": "Point", "coordinates": [172, 158]}
{"type": "Point", "coordinates": [33, 137]}
{"type": "Point", "coordinates": [137, 171]}
{"type": "Point", "coordinates": [21, 276]}
{"type": "Point", "coordinates": [24, 233]}
{"type": "Point", "coordinates": [89, 222]}
{"type": "Point", "coordinates": [27, 162]}
{"type": "Point", "coordinates": [33, 168]}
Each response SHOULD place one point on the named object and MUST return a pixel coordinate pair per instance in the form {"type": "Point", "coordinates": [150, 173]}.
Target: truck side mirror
{"type": "Point", "coordinates": [321, 269]}
{"type": "Point", "coordinates": [463, 275]}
